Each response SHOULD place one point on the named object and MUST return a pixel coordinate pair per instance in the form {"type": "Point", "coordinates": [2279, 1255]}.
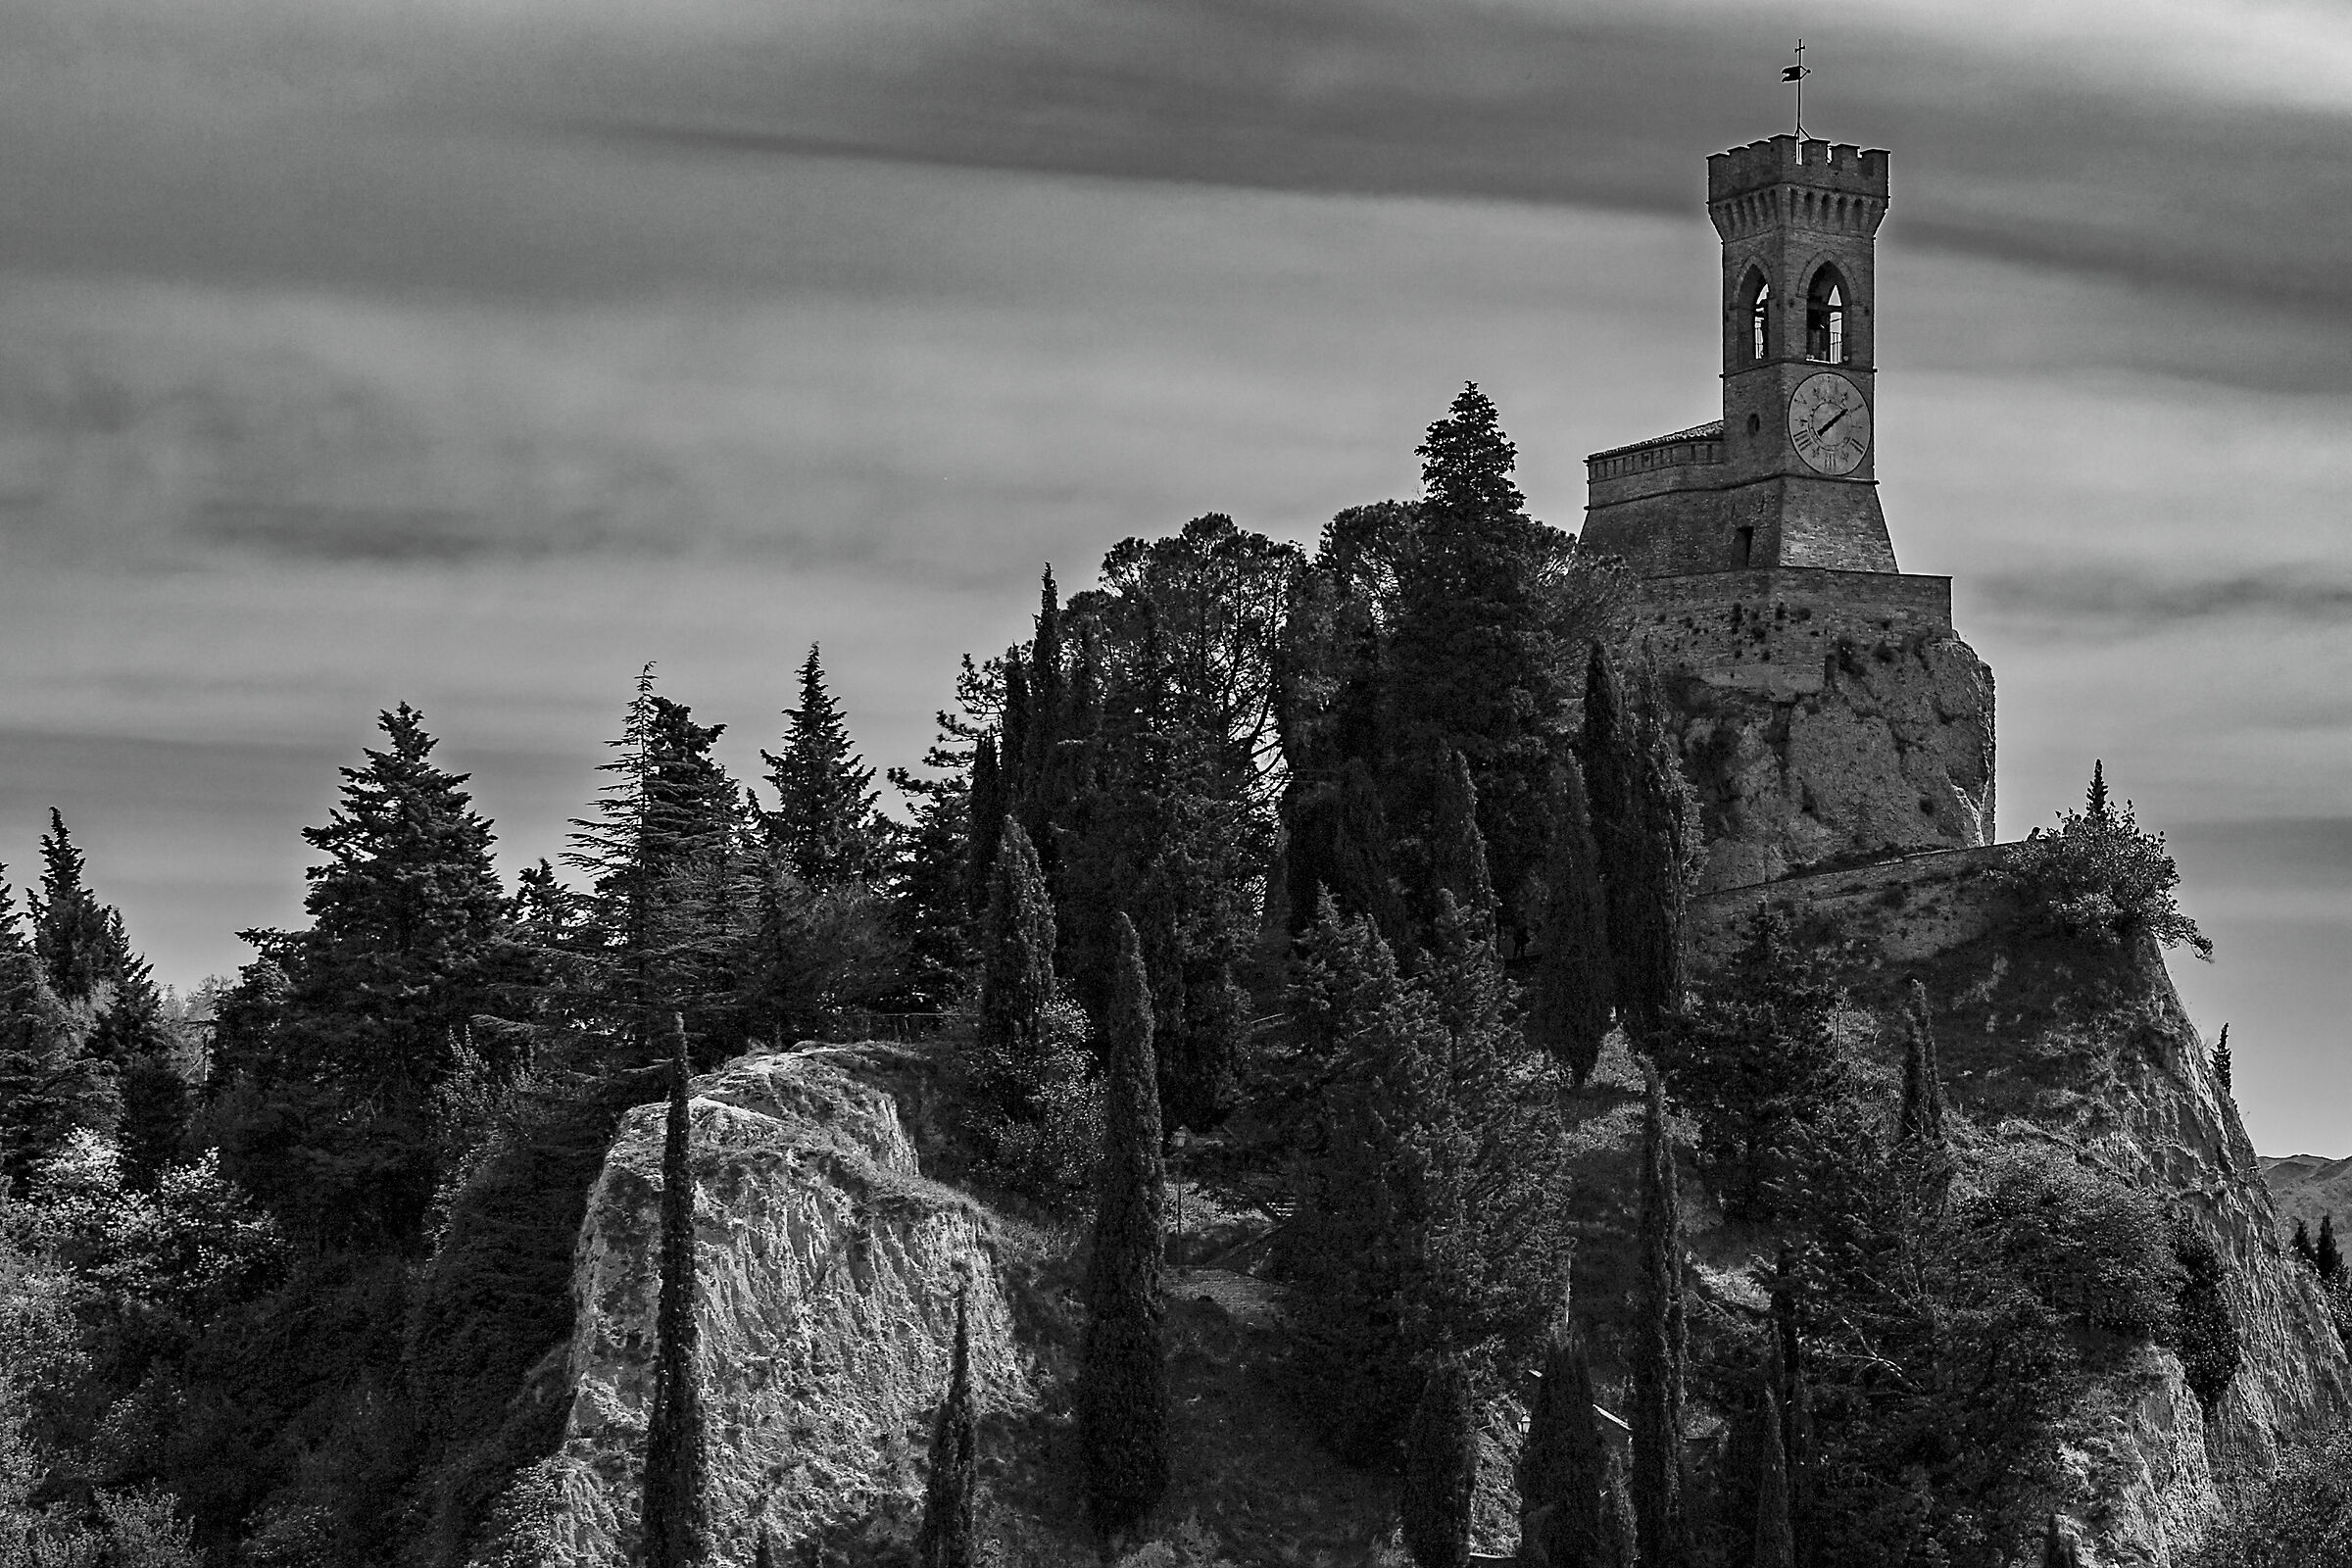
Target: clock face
{"type": "Point", "coordinates": [1829, 423]}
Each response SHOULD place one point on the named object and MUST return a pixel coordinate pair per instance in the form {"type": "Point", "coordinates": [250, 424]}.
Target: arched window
{"type": "Point", "coordinates": [1825, 318]}
{"type": "Point", "coordinates": [1756, 297]}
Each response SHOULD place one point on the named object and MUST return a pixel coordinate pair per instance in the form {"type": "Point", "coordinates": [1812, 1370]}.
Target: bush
{"type": "Point", "coordinates": [2100, 878]}
{"type": "Point", "coordinates": [2090, 1248]}
{"type": "Point", "coordinates": [2301, 1517]}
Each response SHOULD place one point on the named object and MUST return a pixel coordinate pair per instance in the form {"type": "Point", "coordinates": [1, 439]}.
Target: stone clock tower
{"type": "Point", "coordinates": [1830, 712]}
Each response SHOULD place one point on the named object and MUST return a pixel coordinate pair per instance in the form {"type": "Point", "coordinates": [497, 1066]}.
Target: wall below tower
{"type": "Point", "coordinates": [1825, 717]}
{"type": "Point", "coordinates": [1659, 530]}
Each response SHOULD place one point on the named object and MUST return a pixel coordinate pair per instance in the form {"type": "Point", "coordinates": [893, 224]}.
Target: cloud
{"type": "Point", "coordinates": [2115, 603]}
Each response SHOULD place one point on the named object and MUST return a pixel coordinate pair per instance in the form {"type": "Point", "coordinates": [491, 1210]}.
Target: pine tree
{"type": "Point", "coordinates": [947, 1537]}
{"type": "Point", "coordinates": [71, 934]}
{"type": "Point", "coordinates": [825, 822]}
{"type": "Point", "coordinates": [2220, 1060]}
{"type": "Point", "coordinates": [1920, 1127]}
{"type": "Point", "coordinates": [133, 1038]}
{"type": "Point", "coordinates": [1775, 1541]}
{"type": "Point", "coordinates": [1658, 1348]}
{"type": "Point", "coordinates": [47, 1088]}
{"type": "Point", "coordinates": [2095, 800]}
{"type": "Point", "coordinates": [1570, 1017]}
{"type": "Point", "coordinates": [1441, 1469]}
{"type": "Point", "coordinates": [406, 920]}
{"type": "Point", "coordinates": [673, 1503]}
{"type": "Point", "coordinates": [2302, 1247]}
{"type": "Point", "coordinates": [1122, 1390]}
{"type": "Point", "coordinates": [1562, 1467]}
{"type": "Point", "coordinates": [2325, 1256]}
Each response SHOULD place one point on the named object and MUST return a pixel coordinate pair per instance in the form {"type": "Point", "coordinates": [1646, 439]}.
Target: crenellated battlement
{"type": "Point", "coordinates": [1785, 161]}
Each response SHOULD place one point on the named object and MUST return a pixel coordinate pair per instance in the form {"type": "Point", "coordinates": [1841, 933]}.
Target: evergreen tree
{"type": "Point", "coordinates": [2094, 799]}
{"type": "Point", "coordinates": [673, 1502]}
{"type": "Point", "coordinates": [1472, 664]}
{"type": "Point", "coordinates": [1441, 1469]}
{"type": "Point", "coordinates": [2058, 1549]}
{"type": "Point", "coordinates": [1458, 851]}
{"type": "Point", "coordinates": [1755, 1062]}
{"type": "Point", "coordinates": [987, 821]}
{"type": "Point", "coordinates": [47, 1088]}
{"type": "Point", "coordinates": [1920, 1127]}
{"type": "Point", "coordinates": [2302, 1247]}
{"type": "Point", "coordinates": [764, 1554]}
{"type": "Point", "coordinates": [1658, 1348]}
{"type": "Point", "coordinates": [133, 1036]}
{"type": "Point", "coordinates": [77, 945]}
{"type": "Point", "coordinates": [1570, 1017]}
{"type": "Point", "coordinates": [2325, 1256]}
{"type": "Point", "coordinates": [2220, 1060]}
{"type": "Point", "coordinates": [1339, 845]}
{"type": "Point", "coordinates": [1775, 1541]}
{"type": "Point", "coordinates": [948, 1536]}
{"type": "Point", "coordinates": [1621, 1531]}
{"type": "Point", "coordinates": [2205, 1331]}
{"type": "Point", "coordinates": [1428, 1221]}
{"type": "Point", "coordinates": [1646, 830]}
{"type": "Point", "coordinates": [825, 822]}
{"type": "Point", "coordinates": [1123, 1387]}
{"type": "Point", "coordinates": [1016, 982]}
{"type": "Point", "coordinates": [1562, 1467]}
{"type": "Point", "coordinates": [406, 918]}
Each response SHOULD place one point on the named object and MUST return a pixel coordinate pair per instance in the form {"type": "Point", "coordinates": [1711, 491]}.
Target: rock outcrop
{"type": "Point", "coordinates": [1816, 755]}
{"type": "Point", "coordinates": [830, 1270]}
{"type": "Point", "coordinates": [2045, 1038]}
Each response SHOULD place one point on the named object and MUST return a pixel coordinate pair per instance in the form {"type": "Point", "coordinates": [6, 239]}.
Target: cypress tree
{"type": "Point", "coordinates": [1122, 1385]}
{"type": "Point", "coordinates": [673, 1503]}
{"type": "Point", "coordinates": [763, 1554]}
{"type": "Point", "coordinates": [1562, 1468]}
{"type": "Point", "coordinates": [2302, 1247]}
{"type": "Point", "coordinates": [1620, 1530]}
{"type": "Point", "coordinates": [1920, 1127]}
{"type": "Point", "coordinates": [72, 935]}
{"type": "Point", "coordinates": [1646, 915]}
{"type": "Point", "coordinates": [1570, 1015]}
{"type": "Point", "coordinates": [2095, 800]}
{"type": "Point", "coordinates": [826, 824]}
{"type": "Point", "coordinates": [987, 823]}
{"type": "Point", "coordinates": [1457, 852]}
{"type": "Point", "coordinates": [1775, 1541]}
{"type": "Point", "coordinates": [951, 1496]}
{"type": "Point", "coordinates": [2325, 1256]}
{"type": "Point", "coordinates": [1016, 977]}
{"type": "Point", "coordinates": [2220, 1060]}
{"type": "Point", "coordinates": [2058, 1550]}
{"type": "Point", "coordinates": [1441, 1469]}
{"type": "Point", "coordinates": [1337, 846]}
{"type": "Point", "coordinates": [1658, 1347]}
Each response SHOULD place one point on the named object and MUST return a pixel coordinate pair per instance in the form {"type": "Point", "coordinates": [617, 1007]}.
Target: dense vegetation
{"type": "Point", "coordinates": [1356, 863]}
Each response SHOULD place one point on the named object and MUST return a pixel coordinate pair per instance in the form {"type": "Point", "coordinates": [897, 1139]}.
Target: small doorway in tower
{"type": "Point", "coordinates": [1745, 542]}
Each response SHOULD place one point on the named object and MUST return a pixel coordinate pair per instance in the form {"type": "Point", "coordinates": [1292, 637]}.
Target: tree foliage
{"type": "Point", "coordinates": [948, 1537]}
{"type": "Point", "coordinates": [825, 824]}
{"type": "Point", "coordinates": [1124, 1381]}
{"type": "Point", "coordinates": [2100, 877]}
{"type": "Point", "coordinates": [1441, 1469]}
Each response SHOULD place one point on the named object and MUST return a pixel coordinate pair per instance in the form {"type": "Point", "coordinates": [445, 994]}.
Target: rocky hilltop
{"type": "Point", "coordinates": [2089, 1046]}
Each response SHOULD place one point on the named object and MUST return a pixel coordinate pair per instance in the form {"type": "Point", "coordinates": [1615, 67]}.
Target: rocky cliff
{"type": "Point", "coordinates": [828, 1267]}
{"type": "Point", "coordinates": [2042, 1038]}
{"type": "Point", "coordinates": [1805, 753]}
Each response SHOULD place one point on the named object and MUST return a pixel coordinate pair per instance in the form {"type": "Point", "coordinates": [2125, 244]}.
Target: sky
{"type": "Point", "coordinates": [472, 353]}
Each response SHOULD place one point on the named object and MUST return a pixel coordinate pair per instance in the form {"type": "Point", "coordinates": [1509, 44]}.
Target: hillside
{"type": "Point", "coordinates": [2307, 1187]}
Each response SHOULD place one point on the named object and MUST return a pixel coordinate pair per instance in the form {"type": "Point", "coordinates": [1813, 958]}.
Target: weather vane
{"type": "Point", "coordinates": [1797, 73]}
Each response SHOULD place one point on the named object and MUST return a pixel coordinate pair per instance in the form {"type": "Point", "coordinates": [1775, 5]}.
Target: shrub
{"type": "Point", "coordinates": [2100, 877]}
{"type": "Point", "coordinates": [2299, 1518]}
{"type": "Point", "coordinates": [2090, 1246]}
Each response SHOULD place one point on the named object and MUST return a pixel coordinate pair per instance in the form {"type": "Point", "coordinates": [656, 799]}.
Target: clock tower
{"type": "Point", "coordinates": [1827, 712]}
{"type": "Point", "coordinates": [1788, 477]}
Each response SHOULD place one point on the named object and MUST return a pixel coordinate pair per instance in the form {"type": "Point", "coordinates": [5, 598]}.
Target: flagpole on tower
{"type": "Point", "coordinates": [1798, 74]}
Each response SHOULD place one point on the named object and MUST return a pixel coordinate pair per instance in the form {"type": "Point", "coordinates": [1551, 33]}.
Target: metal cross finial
{"type": "Point", "coordinates": [1797, 73]}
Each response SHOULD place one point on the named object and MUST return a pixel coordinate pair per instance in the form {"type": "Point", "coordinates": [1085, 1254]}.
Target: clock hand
{"type": "Point", "coordinates": [1833, 419]}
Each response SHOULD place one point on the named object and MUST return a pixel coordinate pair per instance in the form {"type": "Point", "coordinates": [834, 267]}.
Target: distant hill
{"type": "Point", "coordinates": [2307, 1186]}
